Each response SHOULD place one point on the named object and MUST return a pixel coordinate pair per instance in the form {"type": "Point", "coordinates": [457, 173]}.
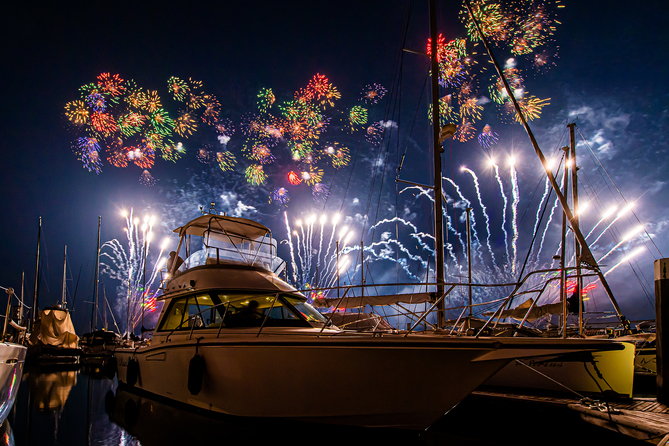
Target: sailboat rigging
{"type": "Point", "coordinates": [586, 258]}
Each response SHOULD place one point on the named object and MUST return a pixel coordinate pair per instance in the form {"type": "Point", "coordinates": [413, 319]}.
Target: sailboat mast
{"type": "Point", "coordinates": [563, 249]}
{"type": "Point", "coordinates": [586, 254]}
{"type": "Point", "coordinates": [64, 294]}
{"type": "Point", "coordinates": [20, 317]}
{"type": "Point", "coordinates": [36, 295]}
{"type": "Point", "coordinates": [94, 317]}
{"type": "Point", "coordinates": [577, 245]}
{"type": "Point", "coordinates": [436, 148]}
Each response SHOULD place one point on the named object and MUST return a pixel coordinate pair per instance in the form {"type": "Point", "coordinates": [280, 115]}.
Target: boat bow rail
{"type": "Point", "coordinates": [536, 284]}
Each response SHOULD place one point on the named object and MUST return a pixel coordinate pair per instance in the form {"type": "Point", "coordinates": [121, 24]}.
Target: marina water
{"type": "Point", "coordinates": [70, 407]}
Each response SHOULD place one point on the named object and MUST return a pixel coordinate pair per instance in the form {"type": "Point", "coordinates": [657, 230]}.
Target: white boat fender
{"type": "Point", "coordinates": [132, 373]}
{"type": "Point", "coordinates": [196, 368]}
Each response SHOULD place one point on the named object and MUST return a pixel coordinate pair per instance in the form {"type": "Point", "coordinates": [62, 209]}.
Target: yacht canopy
{"type": "Point", "coordinates": [361, 301]}
{"type": "Point", "coordinates": [242, 227]}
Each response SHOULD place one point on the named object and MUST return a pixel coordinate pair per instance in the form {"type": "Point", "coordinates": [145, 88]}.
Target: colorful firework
{"type": "Point", "coordinates": [103, 123]}
{"type": "Point", "coordinates": [374, 133]}
{"type": "Point", "coordinates": [358, 115]}
{"type": "Point", "coordinates": [465, 132]}
{"type": "Point", "coordinates": [339, 155]}
{"type": "Point", "coordinates": [211, 111]}
{"type": "Point", "coordinates": [146, 179]}
{"type": "Point", "coordinates": [294, 178]}
{"type": "Point", "coordinates": [531, 108]}
{"type": "Point", "coordinates": [320, 192]}
{"type": "Point", "coordinates": [76, 112]}
{"type": "Point", "coordinates": [96, 102]}
{"type": "Point", "coordinates": [205, 155]}
{"type": "Point", "coordinates": [313, 176]}
{"type": "Point", "coordinates": [490, 17]}
{"type": "Point", "coordinates": [470, 109]}
{"type": "Point", "coordinates": [225, 128]}
{"type": "Point", "coordinates": [280, 195]}
{"type": "Point", "coordinates": [112, 85]}
{"type": "Point", "coordinates": [255, 175]}
{"type": "Point", "coordinates": [88, 152]}
{"type": "Point", "coordinates": [185, 124]}
{"type": "Point", "coordinates": [161, 122]}
{"type": "Point", "coordinates": [262, 154]}
{"type": "Point", "coordinates": [372, 93]}
{"type": "Point", "coordinates": [143, 155]}
{"type": "Point", "coordinates": [178, 88]}
{"type": "Point", "coordinates": [172, 152]}
{"type": "Point", "coordinates": [265, 99]}
{"type": "Point", "coordinates": [487, 138]}
{"type": "Point", "coordinates": [319, 89]}
{"type": "Point", "coordinates": [226, 160]}
{"type": "Point", "coordinates": [152, 102]}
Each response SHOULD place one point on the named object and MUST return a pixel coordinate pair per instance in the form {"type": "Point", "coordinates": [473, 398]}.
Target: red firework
{"type": "Point", "coordinates": [294, 178]}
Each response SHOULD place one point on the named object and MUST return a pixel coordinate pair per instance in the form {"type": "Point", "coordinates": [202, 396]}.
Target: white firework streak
{"type": "Point", "coordinates": [310, 232]}
{"type": "Point", "coordinates": [620, 214]}
{"type": "Point", "coordinates": [547, 190]}
{"type": "Point", "coordinates": [449, 225]}
{"type": "Point", "coordinates": [413, 234]}
{"type": "Point", "coordinates": [627, 237]}
{"type": "Point", "coordinates": [292, 251]}
{"type": "Point", "coordinates": [422, 190]}
{"type": "Point", "coordinates": [515, 193]}
{"type": "Point", "coordinates": [548, 223]}
{"type": "Point", "coordinates": [628, 257]}
{"type": "Point", "coordinates": [402, 261]}
{"type": "Point", "coordinates": [485, 213]}
{"type": "Point", "coordinates": [318, 256]}
{"type": "Point", "coordinates": [327, 252]}
{"type": "Point", "coordinates": [506, 206]}
{"type": "Point", "coordinates": [299, 254]}
{"type": "Point", "coordinates": [473, 220]}
{"type": "Point", "coordinates": [595, 227]}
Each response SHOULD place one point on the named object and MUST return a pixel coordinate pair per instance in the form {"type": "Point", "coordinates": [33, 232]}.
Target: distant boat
{"type": "Point", "coordinates": [53, 340]}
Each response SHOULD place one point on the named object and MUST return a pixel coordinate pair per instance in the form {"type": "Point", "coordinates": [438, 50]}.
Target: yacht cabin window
{"type": "Point", "coordinates": [238, 309]}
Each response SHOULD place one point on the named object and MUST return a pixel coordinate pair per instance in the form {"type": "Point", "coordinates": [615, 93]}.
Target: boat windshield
{"type": "Point", "coordinates": [238, 309]}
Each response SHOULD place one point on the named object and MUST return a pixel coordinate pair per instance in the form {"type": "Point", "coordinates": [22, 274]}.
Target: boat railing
{"type": "Point", "coordinates": [365, 298]}
{"type": "Point", "coordinates": [235, 250]}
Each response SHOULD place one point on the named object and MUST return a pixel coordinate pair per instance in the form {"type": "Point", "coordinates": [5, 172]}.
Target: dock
{"type": "Point", "coordinates": [640, 418]}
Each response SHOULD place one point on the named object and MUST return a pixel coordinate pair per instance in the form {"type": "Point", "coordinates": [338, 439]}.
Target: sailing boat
{"type": "Point", "coordinates": [53, 339]}
{"type": "Point", "coordinates": [12, 361]}
{"type": "Point", "coordinates": [595, 373]}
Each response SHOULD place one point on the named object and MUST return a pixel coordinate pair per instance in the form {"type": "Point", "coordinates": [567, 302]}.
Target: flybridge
{"type": "Point", "coordinates": [225, 240]}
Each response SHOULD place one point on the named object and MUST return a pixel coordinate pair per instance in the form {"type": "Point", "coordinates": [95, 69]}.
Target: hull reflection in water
{"type": "Point", "coordinates": [49, 391]}
{"type": "Point", "coordinates": [160, 422]}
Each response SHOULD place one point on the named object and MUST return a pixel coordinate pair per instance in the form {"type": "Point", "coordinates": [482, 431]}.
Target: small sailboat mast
{"type": "Point", "coordinates": [94, 316]}
{"type": "Point", "coordinates": [64, 293]}
{"type": "Point", "coordinates": [35, 309]}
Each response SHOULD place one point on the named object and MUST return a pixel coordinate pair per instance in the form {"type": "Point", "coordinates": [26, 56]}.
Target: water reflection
{"type": "Point", "coordinates": [83, 407]}
{"type": "Point", "coordinates": [157, 422]}
{"type": "Point", "coordinates": [49, 391]}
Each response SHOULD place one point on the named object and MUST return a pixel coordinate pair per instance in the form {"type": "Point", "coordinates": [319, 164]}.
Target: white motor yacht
{"type": "Point", "coordinates": [234, 338]}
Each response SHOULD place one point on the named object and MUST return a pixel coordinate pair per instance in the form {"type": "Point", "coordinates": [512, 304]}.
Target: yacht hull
{"type": "Point", "coordinates": [414, 380]}
{"type": "Point", "coordinates": [12, 361]}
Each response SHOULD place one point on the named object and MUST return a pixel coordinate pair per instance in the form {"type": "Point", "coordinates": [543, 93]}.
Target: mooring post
{"type": "Point", "coordinates": [661, 315]}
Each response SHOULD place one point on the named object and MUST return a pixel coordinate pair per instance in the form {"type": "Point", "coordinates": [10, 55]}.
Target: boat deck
{"type": "Point", "coordinates": [641, 418]}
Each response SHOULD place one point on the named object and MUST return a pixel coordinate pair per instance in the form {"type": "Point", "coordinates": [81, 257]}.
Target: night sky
{"type": "Point", "coordinates": [610, 76]}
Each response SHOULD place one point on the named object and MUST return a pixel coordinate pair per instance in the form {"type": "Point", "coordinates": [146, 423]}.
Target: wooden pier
{"type": "Point", "coordinates": [639, 417]}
